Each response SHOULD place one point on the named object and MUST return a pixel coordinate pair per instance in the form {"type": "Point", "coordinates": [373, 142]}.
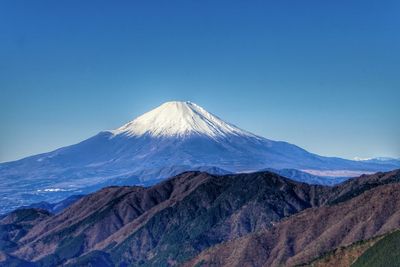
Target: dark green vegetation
{"type": "Point", "coordinates": [344, 255]}
{"type": "Point", "coordinates": [381, 251]}
{"type": "Point", "coordinates": [385, 253]}
{"type": "Point", "coordinates": [93, 259]}
{"type": "Point", "coordinates": [15, 225]}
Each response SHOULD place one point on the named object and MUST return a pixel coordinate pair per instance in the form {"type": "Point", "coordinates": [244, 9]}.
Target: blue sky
{"type": "Point", "coordinates": [320, 74]}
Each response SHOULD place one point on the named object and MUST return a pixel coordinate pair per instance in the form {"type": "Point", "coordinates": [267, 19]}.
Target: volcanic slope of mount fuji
{"type": "Point", "coordinates": [170, 139]}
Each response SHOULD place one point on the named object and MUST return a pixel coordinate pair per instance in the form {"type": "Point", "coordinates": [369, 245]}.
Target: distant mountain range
{"type": "Point", "coordinates": [55, 207]}
{"type": "Point", "coordinates": [198, 219]}
{"type": "Point", "coordinates": [172, 138]}
{"type": "Point", "coordinates": [296, 175]}
{"type": "Point", "coordinates": [385, 160]}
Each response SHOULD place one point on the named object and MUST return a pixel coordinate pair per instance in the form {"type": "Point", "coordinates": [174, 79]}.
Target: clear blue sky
{"type": "Point", "coordinates": [324, 75]}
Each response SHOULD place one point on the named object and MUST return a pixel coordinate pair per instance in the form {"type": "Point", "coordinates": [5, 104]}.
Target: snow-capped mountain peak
{"type": "Point", "coordinates": [177, 118]}
{"type": "Point", "coordinates": [173, 138]}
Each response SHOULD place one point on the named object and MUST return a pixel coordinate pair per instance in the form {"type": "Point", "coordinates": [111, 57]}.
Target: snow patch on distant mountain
{"type": "Point", "coordinates": [376, 159]}
{"type": "Point", "coordinates": [380, 160]}
{"type": "Point", "coordinates": [337, 173]}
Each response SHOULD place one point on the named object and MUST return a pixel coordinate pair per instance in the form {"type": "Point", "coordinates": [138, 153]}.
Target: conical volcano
{"type": "Point", "coordinates": [172, 138]}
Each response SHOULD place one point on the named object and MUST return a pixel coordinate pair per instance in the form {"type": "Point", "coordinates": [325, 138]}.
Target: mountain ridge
{"type": "Point", "coordinates": [175, 220]}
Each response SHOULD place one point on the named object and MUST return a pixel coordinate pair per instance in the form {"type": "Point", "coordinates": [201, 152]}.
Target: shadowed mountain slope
{"type": "Point", "coordinates": [16, 225]}
{"type": "Point", "coordinates": [172, 222]}
{"type": "Point", "coordinates": [313, 232]}
{"type": "Point", "coordinates": [181, 217]}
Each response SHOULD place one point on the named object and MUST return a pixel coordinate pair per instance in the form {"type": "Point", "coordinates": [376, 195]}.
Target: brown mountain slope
{"type": "Point", "coordinates": [133, 223]}
{"type": "Point", "coordinates": [17, 224]}
{"type": "Point", "coordinates": [311, 233]}
{"type": "Point", "coordinates": [173, 221]}
{"type": "Point", "coordinates": [99, 215]}
{"type": "Point", "coordinates": [356, 186]}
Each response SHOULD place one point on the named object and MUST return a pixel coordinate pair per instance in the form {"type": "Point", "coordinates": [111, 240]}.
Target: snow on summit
{"type": "Point", "coordinates": [178, 118]}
